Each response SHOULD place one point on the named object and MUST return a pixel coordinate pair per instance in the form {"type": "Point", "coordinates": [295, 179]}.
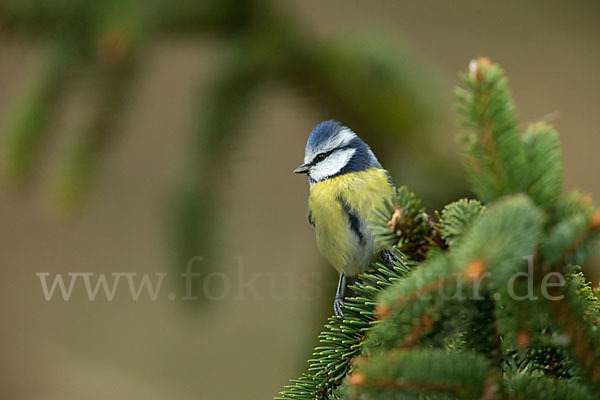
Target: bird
{"type": "Point", "coordinates": [346, 183]}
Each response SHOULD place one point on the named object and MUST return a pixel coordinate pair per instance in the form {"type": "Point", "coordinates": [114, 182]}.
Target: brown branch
{"type": "Point", "coordinates": [359, 379]}
{"type": "Point", "coordinates": [414, 337]}
{"type": "Point", "coordinates": [582, 348]}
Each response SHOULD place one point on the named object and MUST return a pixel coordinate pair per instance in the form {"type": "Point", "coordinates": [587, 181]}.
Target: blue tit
{"type": "Point", "coordinates": [346, 184]}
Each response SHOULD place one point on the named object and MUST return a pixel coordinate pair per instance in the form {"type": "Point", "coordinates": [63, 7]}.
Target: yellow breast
{"type": "Point", "coordinates": [340, 209]}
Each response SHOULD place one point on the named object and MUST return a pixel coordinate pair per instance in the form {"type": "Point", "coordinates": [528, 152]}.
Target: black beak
{"type": "Point", "coordinates": [303, 169]}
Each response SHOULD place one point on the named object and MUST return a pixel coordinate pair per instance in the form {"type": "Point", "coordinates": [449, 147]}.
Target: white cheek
{"type": "Point", "coordinates": [331, 165]}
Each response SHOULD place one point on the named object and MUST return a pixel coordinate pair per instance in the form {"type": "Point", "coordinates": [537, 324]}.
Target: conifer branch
{"type": "Point", "coordinates": [577, 313]}
{"type": "Point", "coordinates": [31, 117]}
{"type": "Point", "coordinates": [454, 327]}
{"type": "Point", "coordinates": [341, 340]}
{"type": "Point", "coordinates": [425, 371]}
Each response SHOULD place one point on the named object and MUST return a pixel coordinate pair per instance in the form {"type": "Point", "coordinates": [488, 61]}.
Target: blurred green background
{"type": "Point", "coordinates": [172, 131]}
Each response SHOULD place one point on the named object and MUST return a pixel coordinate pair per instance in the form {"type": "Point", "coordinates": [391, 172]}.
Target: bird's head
{"type": "Point", "coordinates": [332, 150]}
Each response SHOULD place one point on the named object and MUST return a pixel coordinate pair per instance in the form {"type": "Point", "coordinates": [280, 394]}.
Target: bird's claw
{"type": "Point", "coordinates": [338, 303]}
{"type": "Point", "coordinates": [389, 257]}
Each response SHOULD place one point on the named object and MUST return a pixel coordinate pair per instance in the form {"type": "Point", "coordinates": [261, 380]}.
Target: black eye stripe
{"type": "Point", "coordinates": [351, 145]}
{"type": "Point", "coordinates": [321, 156]}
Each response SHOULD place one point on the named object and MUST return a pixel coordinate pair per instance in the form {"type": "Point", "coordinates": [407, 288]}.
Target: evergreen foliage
{"type": "Point", "coordinates": [456, 217]}
{"type": "Point", "coordinates": [369, 84]}
{"type": "Point", "coordinates": [485, 302]}
{"type": "Point", "coordinates": [340, 343]}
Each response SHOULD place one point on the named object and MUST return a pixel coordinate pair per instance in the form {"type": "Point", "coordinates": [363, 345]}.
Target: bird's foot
{"type": "Point", "coordinates": [338, 303]}
{"type": "Point", "coordinates": [389, 257]}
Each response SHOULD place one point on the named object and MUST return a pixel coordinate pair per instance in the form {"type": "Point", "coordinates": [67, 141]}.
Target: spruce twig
{"type": "Point", "coordinates": [425, 341]}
